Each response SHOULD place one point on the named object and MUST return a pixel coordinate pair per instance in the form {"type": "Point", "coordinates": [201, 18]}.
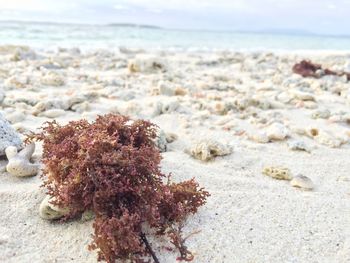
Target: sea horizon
{"type": "Point", "coordinates": [111, 35]}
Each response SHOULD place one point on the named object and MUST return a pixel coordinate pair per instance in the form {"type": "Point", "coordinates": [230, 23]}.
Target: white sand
{"type": "Point", "coordinates": [249, 217]}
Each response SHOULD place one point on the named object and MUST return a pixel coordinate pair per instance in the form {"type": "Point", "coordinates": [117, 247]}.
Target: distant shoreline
{"type": "Point", "coordinates": [272, 31]}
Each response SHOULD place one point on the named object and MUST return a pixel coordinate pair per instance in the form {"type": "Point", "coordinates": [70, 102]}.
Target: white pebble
{"type": "Point", "coordinates": [302, 181]}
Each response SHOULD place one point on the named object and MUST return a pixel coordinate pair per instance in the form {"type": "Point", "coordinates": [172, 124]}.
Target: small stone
{"type": "Point", "coordinates": [87, 216]}
{"type": "Point", "coordinates": [299, 146]}
{"type": "Point", "coordinates": [19, 163]}
{"type": "Point", "coordinates": [15, 117]}
{"type": "Point", "coordinates": [180, 91]}
{"type": "Point", "coordinates": [160, 141]}
{"type": "Point", "coordinates": [8, 136]}
{"type": "Point", "coordinates": [166, 89]}
{"type": "Point", "coordinates": [147, 65]}
{"type": "Point", "coordinates": [258, 136]}
{"type": "Point", "coordinates": [321, 114]}
{"type": "Point", "coordinates": [50, 211]}
{"type": "Point", "coordinates": [171, 137]}
{"type": "Point", "coordinates": [53, 113]}
{"type": "Point", "coordinates": [277, 131]}
{"type": "Point", "coordinates": [206, 150]}
{"type": "Point", "coordinates": [52, 79]}
{"type": "Point", "coordinates": [301, 95]}
{"type": "Point", "coordinates": [280, 173]}
{"type": "Point", "coordinates": [302, 181]}
{"type": "Point", "coordinates": [311, 132]}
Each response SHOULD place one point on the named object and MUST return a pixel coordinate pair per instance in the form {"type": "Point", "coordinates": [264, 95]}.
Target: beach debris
{"type": "Point", "coordinates": [311, 132]}
{"type": "Point", "coordinates": [277, 172]}
{"type": "Point", "coordinates": [306, 68]}
{"type": "Point", "coordinates": [165, 88]}
{"type": "Point", "coordinates": [52, 113]}
{"type": "Point", "coordinates": [208, 149]}
{"type": "Point", "coordinates": [16, 82]}
{"type": "Point", "coordinates": [52, 78]}
{"type": "Point", "coordinates": [19, 162]}
{"type": "Point", "coordinates": [15, 117]}
{"type": "Point", "coordinates": [49, 211]}
{"type": "Point", "coordinates": [321, 114]}
{"type": "Point", "coordinates": [171, 137]}
{"type": "Point", "coordinates": [277, 131]}
{"type": "Point", "coordinates": [160, 141]}
{"type": "Point", "coordinates": [164, 108]}
{"type": "Point", "coordinates": [258, 136]}
{"type": "Point", "coordinates": [328, 139]}
{"type": "Point", "coordinates": [8, 136]}
{"type": "Point", "coordinates": [87, 215]}
{"type": "Point", "coordinates": [302, 95]}
{"type": "Point", "coordinates": [127, 190]}
{"type": "Point", "coordinates": [147, 65]}
{"type": "Point", "coordinates": [302, 181]}
{"type": "Point", "coordinates": [221, 108]}
{"type": "Point", "coordinates": [297, 145]}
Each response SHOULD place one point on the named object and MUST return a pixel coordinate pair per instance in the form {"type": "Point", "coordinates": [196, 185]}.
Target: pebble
{"type": "Point", "coordinates": [8, 136]}
{"type": "Point", "coordinates": [277, 131]}
{"type": "Point", "coordinates": [52, 79]}
{"type": "Point", "coordinates": [15, 117]}
{"type": "Point", "coordinates": [280, 173]}
{"type": "Point", "coordinates": [299, 146]}
{"type": "Point", "coordinates": [19, 162]}
{"type": "Point", "coordinates": [53, 113]}
{"type": "Point", "coordinates": [208, 149]}
{"type": "Point", "coordinates": [147, 65]}
{"type": "Point", "coordinates": [259, 136]}
{"type": "Point", "coordinates": [321, 114]}
{"type": "Point", "coordinates": [302, 181]}
{"type": "Point", "coordinates": [50, 211]}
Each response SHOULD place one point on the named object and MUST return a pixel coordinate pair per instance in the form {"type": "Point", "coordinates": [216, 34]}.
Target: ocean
{"type": "Point", "coordinates": [44, 35]}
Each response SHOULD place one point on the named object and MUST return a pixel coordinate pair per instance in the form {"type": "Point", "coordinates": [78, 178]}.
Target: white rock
{"type": "Point", "coordinates": [280, 173]}
{"type": "Point", "coordinates": [166, 89]}
{"type": "Point", "coordinates": [52, 79]}
{"type": "Point", "coordinates": [53, 113]}
{"type": "Point", "coordinates": [277, 131]}
{"type": "Point", "coordinates": [161, 141]}
{"type": "Point", "coordinates": [19, 163]}
{"type": "Point", "coordinates": [170, 137]}
{"type": "Point", "coordinates": [50, 211]}
{"type": "Point", "coordinates": [16, 82]}
{"type": "Point", "coordinates": [301, 181]}
{"type": "Point", "coordinates": [258, 136]}
{"type": "Point", "coordinates": [328, 139]}
{"type": "Point", "coordinates": [347, 67]}
{"type": "Point", "coordinates": [15, 117]}
{"type": "Point", "coordinates": [299, 146]}
{"type": "Point", "coordinates": [170, 107]}
{"type": "Point", "coordinates": [206, 150]}
{"type": "Point", "coordinates": [301, 95]}
{"type": "Point", "coordinates": [147, 65]}
{"type": "Point", "coordinates": [8, 136]}
{"type": "Point", "coordinates": [321, 114]}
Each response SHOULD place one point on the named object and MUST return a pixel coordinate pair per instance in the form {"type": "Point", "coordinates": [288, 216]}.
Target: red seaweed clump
{"type": "Point", "coordinates": [112, 167]}
{"type": "Point", "coordinates": [306, 68]}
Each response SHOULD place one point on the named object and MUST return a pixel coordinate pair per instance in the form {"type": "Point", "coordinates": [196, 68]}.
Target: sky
{"type": "Point", "coordinates": [317, 16]}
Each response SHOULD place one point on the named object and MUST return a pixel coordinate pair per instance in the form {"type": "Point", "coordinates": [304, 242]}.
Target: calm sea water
{"type": "Point", "coordinates": [101, 36]}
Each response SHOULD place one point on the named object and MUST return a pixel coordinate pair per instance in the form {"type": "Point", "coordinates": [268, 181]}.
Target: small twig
{"type": "Point", "coordinates": [148, 246]}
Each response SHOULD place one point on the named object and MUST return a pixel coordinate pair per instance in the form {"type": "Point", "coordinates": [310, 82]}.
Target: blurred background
{"type": "Point", "coordinates": [178, 24]}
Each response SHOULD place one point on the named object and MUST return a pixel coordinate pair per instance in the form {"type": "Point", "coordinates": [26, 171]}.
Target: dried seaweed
{"type": "Point", "coordinates": [112, 167]}
{"type": "Point", "coordinates": [306, 68]}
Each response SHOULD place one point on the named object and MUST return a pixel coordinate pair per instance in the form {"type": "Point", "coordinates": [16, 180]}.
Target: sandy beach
{"type": "Point", "coordinates": [249, 103]}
